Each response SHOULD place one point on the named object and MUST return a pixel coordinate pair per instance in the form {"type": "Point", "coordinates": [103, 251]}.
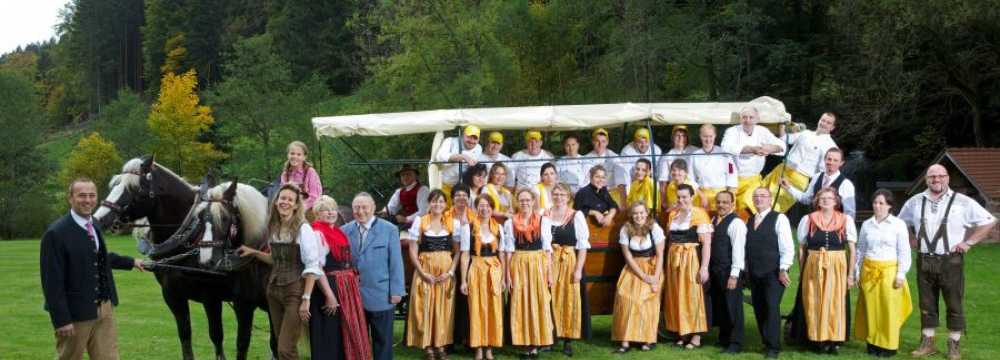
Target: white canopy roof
{"type": "Point", "coordinates": [558, 117]}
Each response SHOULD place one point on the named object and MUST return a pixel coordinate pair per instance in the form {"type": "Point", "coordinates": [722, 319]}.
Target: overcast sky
{"type": "Point", "coordinates": [26, 21]}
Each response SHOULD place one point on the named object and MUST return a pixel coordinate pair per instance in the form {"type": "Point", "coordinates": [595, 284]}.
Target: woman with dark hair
{"type": "Point", "coordinates": [637, 298]}
{"type": "Point", "coordinates": [461, 208]}
{"type": "Point", "coordinates": [826, 254]}
{"type": "Point", "coordinates": [688, 256]}
{"type": "Point", "coordinates": [337, 328]}
{"type": "Point", "coordinates": [543, 190]}
{"type": "Point", "coordinates": [433, 254]}
{"type": "Point", "coordinates": [483, 279]}
{"type": "Point", "coordinates": [884, 258]}
{"type": "Point", "coordinates": [475, 178]}
{"type": "Point", "coordinates": [294, 260]}
{"type": "Point", "coordinates": [594, 199]}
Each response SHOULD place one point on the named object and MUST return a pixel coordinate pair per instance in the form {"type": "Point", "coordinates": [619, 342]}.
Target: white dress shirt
{"type": "Point", "coordinates": [786, 249]}
{"type": "Point", "coordinates": [579, 228]}
{"type": "Point", "coordinates": [965, 214]}
{"type": "Point", "coordinates": [714, 169]}
{"type": "Point", "coordinates": [735, 139]}
{"type": "Point", "coordinates": [884, 240]}
{"type": "Point", "coordinates": [510, 238]}
{"type": "Point", "coordinates": [573, 172]}
{"type": "Point", "coordinates": [656, 236]}
{"type": "Point", "coordinates": [493, 159]}
{"type": "Point", "coordinates": [528, 173]}
{"type": "Point", "coordinates": [846, 192]}
{"type": "Point", "coordinates": [485, 238]}
{"type": "Point", "coordinates": [850, 231]}
{"type": "Point", "coordinates": [449, 147]}
{"type": "Point", "coordinates": [808, 150]}
{"type": "Point", "coordinates": [394, 205]}
{"type": "Point", "coordinates": [663, 162]}
{"type": "Point", "coordinates": [627, 163]}
{"type": "Point", "coordinates": [309, 249]}
{"type": "Point", "coordinates": [737, 232]}
{"type": "Point", "coordinates": [80, 220]}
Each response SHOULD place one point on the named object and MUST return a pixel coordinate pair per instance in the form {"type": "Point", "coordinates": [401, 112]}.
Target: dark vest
{"type": "Point", "coordinates": [824, 239]}
{"type": "Point", "coordinates": [762, 245]}
{"type": "Point", "coordinates": [647, 252]}
{"type": "Point", "coordinates": [435, 243]}
{"type": "Point", "coordinates": [287, 267]}
{"type": "Point", "coordinates": [565, 234]}
{"type": "Point", "coordinates": [722, 246]}
{"type": "Point", "coordinates": [408, 200]}
{"type": "Point", "coordinates": [522, 244]}
{"type": "Point", "coordinates": [835, 184]}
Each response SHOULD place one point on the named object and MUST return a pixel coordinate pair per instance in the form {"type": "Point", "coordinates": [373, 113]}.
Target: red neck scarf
{"type": "Point", "coordinates": [335, 240]}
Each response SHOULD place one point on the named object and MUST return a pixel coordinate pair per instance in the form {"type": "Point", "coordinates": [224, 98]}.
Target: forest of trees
{"type": "Point", "coordinates": [227, 84]}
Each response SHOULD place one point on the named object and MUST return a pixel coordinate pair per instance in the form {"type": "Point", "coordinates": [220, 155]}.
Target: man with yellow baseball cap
{"type": "Point", "coordinates": [528, 173]}
{"type": "Point", "coordinates": [641, 144]}
{"type": "Point", "coordinates": [454, 150]}
{"type": "Point", "coordinates": [491, 154]}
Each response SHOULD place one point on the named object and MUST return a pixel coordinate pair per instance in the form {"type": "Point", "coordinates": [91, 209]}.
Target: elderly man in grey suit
{"type": "Point", "coordinates": [376, 255]}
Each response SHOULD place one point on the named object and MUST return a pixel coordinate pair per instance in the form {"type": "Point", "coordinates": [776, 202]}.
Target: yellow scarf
{"type": "Point", "coordinates": [643, 190]}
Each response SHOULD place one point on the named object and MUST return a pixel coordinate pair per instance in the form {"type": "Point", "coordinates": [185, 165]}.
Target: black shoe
{"type": "Point", "coordinates": [831, 349]}
{"type": "Point", "coordinates": [732, 349]}
{"type": "Point", "coordinates": [771, 354]}
{"type": "Point", "coordinates": [567, 349]}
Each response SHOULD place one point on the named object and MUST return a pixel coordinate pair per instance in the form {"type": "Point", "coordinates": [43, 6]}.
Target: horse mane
{"type": "Point", "coordinates": [130, 175]}
{"type": "Point", "coordinates": [252, 206]}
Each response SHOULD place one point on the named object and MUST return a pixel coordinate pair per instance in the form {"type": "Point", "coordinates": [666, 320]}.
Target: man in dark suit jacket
{"type": "Point", "coordinates": [376, 254]}
{"type": "Point", "coordinates": [77, 283]}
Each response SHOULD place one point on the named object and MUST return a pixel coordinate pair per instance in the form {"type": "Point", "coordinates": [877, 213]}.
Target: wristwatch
{"type": "Point", "coordinates": [306, 296]}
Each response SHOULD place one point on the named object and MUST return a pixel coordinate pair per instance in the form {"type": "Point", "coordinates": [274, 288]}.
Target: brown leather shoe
{"type": "Point", "coordinates": [953, 353]}
{"type": "Point", "coordinates": [926, 347]}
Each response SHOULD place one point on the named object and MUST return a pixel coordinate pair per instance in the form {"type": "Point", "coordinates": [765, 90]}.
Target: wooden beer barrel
{"type": "Point", "coordinates": [604, 264]}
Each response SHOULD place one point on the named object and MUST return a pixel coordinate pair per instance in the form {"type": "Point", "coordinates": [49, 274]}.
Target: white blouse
{"type": "Point", "coordinates": [509, 237]}
{"type": "Point", "coordinates": [642, 244]}
{"type": "Point", "coordinates": [884, 240]}
{"type": "Point", "coordinates": [850, 231]}
{"type": "Point", "coordinates": [457, 235]}
{"type": "Point", "coordinates": [485, 237]}
{"type": "Point", "coordinates": [309, 252]}
{"type": "Point", "coordinates": [579, 227]}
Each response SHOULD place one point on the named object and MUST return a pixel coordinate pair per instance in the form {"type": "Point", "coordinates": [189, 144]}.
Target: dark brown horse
{"type": "Point", "coordinates": [145, 189]}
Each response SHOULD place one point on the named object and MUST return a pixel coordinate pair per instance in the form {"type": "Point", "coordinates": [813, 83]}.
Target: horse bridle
{"type": "Point", "coordinates": [191, 241]}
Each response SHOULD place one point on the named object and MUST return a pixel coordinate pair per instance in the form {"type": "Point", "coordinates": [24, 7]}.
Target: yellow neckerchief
{"type": "Point", "coordinates": [672, 191]}
{"type": "Point", "coordinates": [642, 190]}
{"type": "Point", "coordinates": [477, 235]}
{"type": "Point", "coordinates": [498, 206]}
{"type": "Point", "coordinates": [446, 222]}
{"type": "Point", "coordinates": [543, 196]}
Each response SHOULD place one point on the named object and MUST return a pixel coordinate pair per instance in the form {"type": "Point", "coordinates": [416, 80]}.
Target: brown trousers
{"type": "Point", "coordinates": [941, 276]}
{"type": "Point", "coordinates": [284, 301]}
{"type": "Point", "coordinates": [98, 337]}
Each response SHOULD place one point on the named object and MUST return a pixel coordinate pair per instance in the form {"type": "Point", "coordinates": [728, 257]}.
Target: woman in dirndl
{"type": "Point", "coordinates": [570, 241]}
{"type": "Point", "coordinates": [884, 298]}
{"type": "Point", "coordinates": [637, 298]}
{"type": "Point", "coordinates": [688, 255]}
{"type": "Point", "coordinates": [503, 199]}
{"type": "Point", "coordinates": [826, 254]}
{"type": "Point", "coordinates": [434, 256]}
{"type": "Point", "coordinates": [483, 279]}
{"type": "Point", "coordinates": [337, 328]}
{"type": "Point", "coordinates": [529, 255]}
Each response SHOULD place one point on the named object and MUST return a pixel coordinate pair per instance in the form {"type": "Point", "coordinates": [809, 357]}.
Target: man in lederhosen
{"type": "Point", "coordinates": [770, 253]}
{"type": "Point", "coordinates": [725, 267]}
{"type": "Point", "coordinates": [944, 224]}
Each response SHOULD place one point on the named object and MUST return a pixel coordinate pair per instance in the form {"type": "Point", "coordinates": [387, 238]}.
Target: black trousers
{"type": "Point", "coordinates": [941, 276]}
{"type": "Point", "coordinates": [726, 309]}
{"type": "Point", "coordinates": [380, 327]}
{"type": "Point", "coordinates": [765, 293]}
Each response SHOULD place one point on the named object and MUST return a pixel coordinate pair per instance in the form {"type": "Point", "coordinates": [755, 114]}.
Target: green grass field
{"type": "Point", "coordinates": [146, 328]}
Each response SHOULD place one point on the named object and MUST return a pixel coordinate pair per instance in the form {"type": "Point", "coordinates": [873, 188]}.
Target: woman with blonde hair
{"type": "Point", "coordinates": [503, 199]}
{"type": "Point", "coordinates": [570, 241]}
{"type": "Point", "coordinates": [529, 273]}
{"type": "Point", "coordinates": [434, 256]}
{"type": "Point", "coordinates": [294, 260]}
{"type": "Point", "coordinates": [483, 279]}
{"type": "Point", "coordinates": [637, 299]}
{"type": "Point", "coordinates": [337, 327]}
{"type": "Point", "coordinates": [822, 305]}
{"type": "Point", "coordinates": [688, 256]}
{"type": "Point", "coordinates": [300, 172]}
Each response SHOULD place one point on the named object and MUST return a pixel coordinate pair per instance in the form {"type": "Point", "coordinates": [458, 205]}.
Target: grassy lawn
{"type": "Point", "coordinates": [146, 328]}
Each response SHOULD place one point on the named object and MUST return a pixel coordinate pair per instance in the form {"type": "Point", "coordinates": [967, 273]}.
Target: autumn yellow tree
{"type": "Point", "coordinates": [177, 121]}
{"type": "Point", "coordinates": [94, 157]}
